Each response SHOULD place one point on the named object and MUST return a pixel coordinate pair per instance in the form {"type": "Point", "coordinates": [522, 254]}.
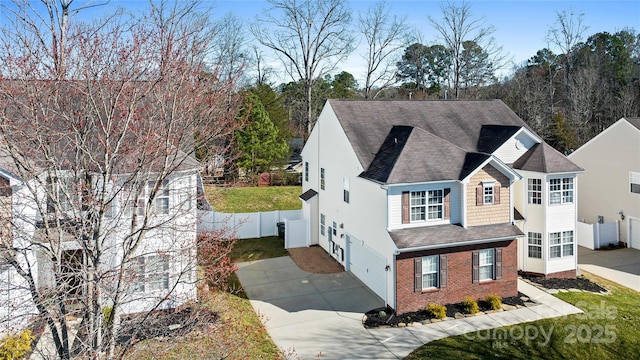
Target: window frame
{"type": "Point", "coordinates": [534, 191]}
{"type": "Point", "coordinates": [536, 245]}
{"type": "Point", "coordinates": [152, 273]}
{"type": "Point", "coordinates": [306, 171]}
{"type": "Point", "coordinates": [345, 189]}
{"type": "Point", "coordinates": [561, 191]}
{"type": "Point", "coordinates": [561, 244]}
{"type": "Point", "coordinates": [433, 274]}
{"type": "Point", "coordinates": [634, 182]}
{"type": "Point", "coordinates": [491, 264]}
{"type": "Point", "coordinates": [418, 202]}
{"type": "Point", "coordinates": [322, 179]}
{"type": "Point", "coordinates": [323, 223]}
{"type": "Point", "coordinates": [488, 194]}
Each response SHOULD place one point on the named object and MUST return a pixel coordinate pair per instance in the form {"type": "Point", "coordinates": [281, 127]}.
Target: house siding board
{"type": "Point", "coordinates": [607, 159]}
{"type": "Point", "coordinates": [478, 214]}
{"type": "Point", "coordinates": [459, 277]}
{"type": "Point", "coordinates": [395, 205]}
{"type": "Point", "coordinates": [509, 152]}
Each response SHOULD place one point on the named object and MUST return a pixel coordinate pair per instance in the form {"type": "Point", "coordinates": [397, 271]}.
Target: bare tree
{"type": "Point", "coordinates": [566, 33]}
{"type": "Point", "coordinates": [457, 26]}
{"type": "Point", "coordinates": [309, 37]}
{"type": "Point", "coordinates": [97, 142]}
{"type": "Point", "coordinates": [231, 51]}
{"type": "Point", "coordinates": [385, 36]}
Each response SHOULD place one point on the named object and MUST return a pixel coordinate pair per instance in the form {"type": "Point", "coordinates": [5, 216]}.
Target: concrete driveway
{"type": "Point", "coordinates": [620, 265]}
{"type": "Point", "coordinates": [320, 315]}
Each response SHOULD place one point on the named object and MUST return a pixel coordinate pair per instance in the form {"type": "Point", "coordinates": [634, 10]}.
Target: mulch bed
{"type": "Point", "coordinates": [579, 283]}
{"type": "Point", "coordinates": [165, 323]}
{"type": "Point", "coordinates": [385, 316]}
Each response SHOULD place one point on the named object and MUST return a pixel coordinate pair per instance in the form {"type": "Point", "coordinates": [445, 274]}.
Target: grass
{"type": "Point", "coordinates": [253, 199]}
{"type": "Point", "coordinates": [242, 334]}
{"type": "Point", "coordinates": [608, 329]}
{"type": "Point", "coordinates": [256, 249]}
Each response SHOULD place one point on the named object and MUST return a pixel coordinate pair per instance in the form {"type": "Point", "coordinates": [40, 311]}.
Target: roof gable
{"type": "Point", "coordinates": [545, 159]}
{"type": "Point", "coordinates": [492, 136]}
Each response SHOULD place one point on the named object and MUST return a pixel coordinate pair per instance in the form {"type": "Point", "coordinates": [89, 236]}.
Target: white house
{"type": "Point", "coordinates": [610, 187]}
{"type": "Point", "coordinates": [428, 201]}
{"type": "Point", "coordinates": [152, 242]}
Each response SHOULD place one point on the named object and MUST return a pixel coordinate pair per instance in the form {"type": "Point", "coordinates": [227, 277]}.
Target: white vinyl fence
{"type": "Point", "coordinates": [246, 225]}
{"type": "Point", "coordinates": [595, 236]}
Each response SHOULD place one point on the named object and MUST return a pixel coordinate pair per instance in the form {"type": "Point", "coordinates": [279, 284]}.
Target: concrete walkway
{"type": "Point", "coordinates": [321, 314]}
{"type": "Point", "coordinates": [620, 265]}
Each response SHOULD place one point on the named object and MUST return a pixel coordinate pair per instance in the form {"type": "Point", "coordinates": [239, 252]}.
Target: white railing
{"type": "Point", "coordinates": [246, 225]}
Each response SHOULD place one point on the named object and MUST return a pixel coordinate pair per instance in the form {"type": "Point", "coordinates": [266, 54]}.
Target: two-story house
{"type": "Point", "coordinates": [145, 239]}
{"type": "Point", "coordinates": [429, 201]}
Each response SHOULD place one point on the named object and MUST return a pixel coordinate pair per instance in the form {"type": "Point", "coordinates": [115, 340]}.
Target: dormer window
{"type": "Point", "coordinates": [488, 192]}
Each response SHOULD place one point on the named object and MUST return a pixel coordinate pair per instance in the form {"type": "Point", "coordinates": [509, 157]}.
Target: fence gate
{"type": "Point", "coordinates": [296, 233]}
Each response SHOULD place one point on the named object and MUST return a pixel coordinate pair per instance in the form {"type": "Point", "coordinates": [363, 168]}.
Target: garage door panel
{"type": "Point", "coordinates": [368, 266]}
{"type": "Point", "coordinates": [634, 233]}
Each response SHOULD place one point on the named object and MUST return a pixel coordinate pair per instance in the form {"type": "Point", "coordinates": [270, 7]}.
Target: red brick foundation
{"type": "Point", "coordinates": [459, 277]}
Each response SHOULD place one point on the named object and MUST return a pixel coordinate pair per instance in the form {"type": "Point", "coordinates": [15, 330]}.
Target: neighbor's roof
{"type": "Point", "coordinates": [440, 236]}
{"type": "Point", "coordinates": [545, 159]}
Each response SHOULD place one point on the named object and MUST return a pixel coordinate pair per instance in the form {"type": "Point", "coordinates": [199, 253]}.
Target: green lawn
{"type": "Point", "coordinates": [253, 199]}
{"type": "Point", "coordinates": [609, 329]}
{"type": "Point", "coordinates": [242, 335]}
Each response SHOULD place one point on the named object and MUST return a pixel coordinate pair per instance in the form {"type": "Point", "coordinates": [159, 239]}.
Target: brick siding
{"type": "Point", "coordinates": [459, 277]}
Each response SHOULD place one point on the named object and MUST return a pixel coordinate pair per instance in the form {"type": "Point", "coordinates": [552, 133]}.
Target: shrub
{"type": "Point", "coordinates": [16, 346]}
{"type": "Point", "coordinates": [494, 301]}
{"type": "Point", "coordinates": [437, 311]}
{"type": "Point", "coordinates": [469, 305]}
{"type": "Point", "coordinates": [107, 312]}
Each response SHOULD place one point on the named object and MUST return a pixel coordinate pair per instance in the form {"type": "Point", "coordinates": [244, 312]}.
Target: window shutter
{"type": "Point", "coordinates": [417, 267]}
{"type": "Point", "coordinates": [447, 204]}
{"type": "Point", "coordinates": [406, 217]}
{"type": "Point", "coordinates": [443, 271]}
{"type": "Point", "coordinates": [479, 195]}
{"type": "Point", "coordinates": [475, 257]}
{"type": "Point", "coordinates": [498, 264]}
{"type": "Point", "coordinates": [496, 194]}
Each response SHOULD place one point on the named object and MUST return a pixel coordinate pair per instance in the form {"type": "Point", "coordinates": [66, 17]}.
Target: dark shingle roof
{"type": "Point", "coordinates": [450, 235]}
{"type": "Point", "coordinates": [368, 123]}
{"type": "Point", "coordinates": [492, 136]}
{"type": "Point", "coordinates": [544, 158]}
{"type": "Point", "coordinates": [308, 195]}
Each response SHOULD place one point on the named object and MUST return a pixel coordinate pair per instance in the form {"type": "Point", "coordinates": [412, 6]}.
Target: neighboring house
{"type": "Point", "coordinates": [610, 187]}
{"type": "Point", "coordinates": [429, 201]}
{"type": "Point", "coordinates": [162, 264]}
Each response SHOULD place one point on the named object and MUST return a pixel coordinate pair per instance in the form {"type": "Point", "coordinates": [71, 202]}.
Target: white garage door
{"type": "Point", "coordinates": [634, 233]}
{"type": "Point", "coordinates": [368, 265]}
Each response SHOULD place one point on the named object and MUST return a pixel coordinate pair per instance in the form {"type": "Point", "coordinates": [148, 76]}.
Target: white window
{"type": "Point", "coordinates": [560, 244]}
{"type": "Point", "coordinates": [561, 191]}
{"type": "Point", "coordinates": [634, 182]}
{"type": "Point", "coordinates": [153, 273]}
{"type": "Point", "coordinates": [486, 264]}
{"type": "Point", "coordinates": [345, 190]}
{"type": "Point", "coordinates": [322, 224]}
{"type": "Point", "coordinates": [335, 227]}
{"type": "Point", "coordinates": [306, 171]}
{"type": "Point", "coordinates": [534, 191]}
{"type": "Point", "coordinates": [418, 206]}
{"type": "Point", "coordinates": [534, 240]}
{"type": "Point", "coordinates": [162, 197]}
{"type": "Point", "coordinates": [488, 193]}
{"type": "Point", "coordinates": [430, 272]}
{"type": "Point", "coordinates": [185, 195]}
{"type": "Point", "coordinates": [435, 204]}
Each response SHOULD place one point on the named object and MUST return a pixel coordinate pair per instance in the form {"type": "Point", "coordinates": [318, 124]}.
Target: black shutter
{"type": "Point", "coordinates": [443, 271]}
{"type": "Point", "coordinates": [417, 271]}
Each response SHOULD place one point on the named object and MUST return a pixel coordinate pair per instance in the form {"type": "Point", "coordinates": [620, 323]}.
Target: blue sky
{"type": "Point", "coordinates": [521, 26]}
